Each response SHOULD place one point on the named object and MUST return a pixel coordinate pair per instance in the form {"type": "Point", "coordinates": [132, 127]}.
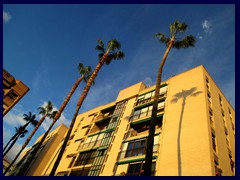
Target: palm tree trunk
{"type": "Point", "coordinates": [150, 139]}
{"type": "Point", "coordinates": [26, 142]}
{"type": "Point", "coordinates": [79, 104]}
{"type": "Point", "coordinates": [10, 147]}
{"type": "Point", "coordinates": [61, 109]}
{"type": "Point", "coordinates": [13, 137]}
{"type": "Point", "coordinates": [65, 102]}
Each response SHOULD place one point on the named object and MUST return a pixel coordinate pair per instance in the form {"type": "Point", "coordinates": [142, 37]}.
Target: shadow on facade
{"type": "Point", "coordinates": [184, 94]}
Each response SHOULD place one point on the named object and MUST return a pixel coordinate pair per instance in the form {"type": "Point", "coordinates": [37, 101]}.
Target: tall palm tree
{"type": "Point", "coordinates": [30, 119]}
{"type": "Point", "coordinates": [170, 42]}
{"type": "Point", "coordinates": [20, 132]}
{"type": "Point", "coordinates": [106, 55]}
{"type": "Point", "coordinates": [85, 74]}
{"type": "Point", "coordinates": [46, 112]}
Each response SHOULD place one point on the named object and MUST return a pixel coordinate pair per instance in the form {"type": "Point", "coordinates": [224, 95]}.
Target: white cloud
{"type": "Point", "coordinates": [14, 119]}
{"type": "Point", "coordinates": [199, 36]}
{"type": "Point", "coordinates": [207, 27]}
{"type": "Point", "coordinates": [148, 81]}
{"type": "Point", "coordinates": [6, 16]}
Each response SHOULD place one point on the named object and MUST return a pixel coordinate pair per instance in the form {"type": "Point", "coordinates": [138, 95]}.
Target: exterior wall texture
{"type": "Point", "coordinates": [195, 132]}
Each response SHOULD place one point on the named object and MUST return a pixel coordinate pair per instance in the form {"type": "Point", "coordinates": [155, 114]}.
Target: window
{"type": "Point", "coordinates": [80, 172]}
{"type": "Point", "coordinates": [163, 90]}
{"type": "Point", "coordinates": [93, 141]}
{"type": "Point", "coordinates": [12, 95]}
{"type": "Point", "coordinates": [85, 158]}
{"type": "Point", "coordinates": [214, 141]}
{"type": "Point", "coordinates": [136, 148]}
{"type": "Point", "coordinates": [140, 113]}
{"type": "Point", "coordinates": [207, 80]}
{"type": "Point", "coordinates": [137, 169]}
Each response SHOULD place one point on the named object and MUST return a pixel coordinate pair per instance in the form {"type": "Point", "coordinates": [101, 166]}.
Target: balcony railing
{"type": "Point", "coordinates": [144, 101]}
{"type": "Point", "coordinates": [136, 152]}
{"type": "Point", "coordinates": [90, 144]}
{"type": "Point", "coordinates": [145, 114]}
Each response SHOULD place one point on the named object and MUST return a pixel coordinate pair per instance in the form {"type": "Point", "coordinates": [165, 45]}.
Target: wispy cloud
{"type": "Point", "coordinates": [14, 119]}
{"type": "Point", "coordinates": [207, 26]}
{"type": "Point", "coordinates": [6, 16]}
{"type": "Point", "coordinates": [47, 122]}
{"type": "Point", "coordinates": [148, 81]}
{"type": "Point", "coordinates": [40, 81]}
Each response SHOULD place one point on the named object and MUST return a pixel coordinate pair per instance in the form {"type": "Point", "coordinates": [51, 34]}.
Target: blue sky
{"type": "Point", "coordinates": [43, 44]}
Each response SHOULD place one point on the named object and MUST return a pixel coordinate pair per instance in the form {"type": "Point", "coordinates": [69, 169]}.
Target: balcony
{"type": "Point", "coordinates": [141, 131]}
{"type": "Point", "coordinates": [149, 100]}
{"type": "Point", "coordinates": [97, 129]}
{"type": "Point", "coordinates": [145, 116]}
{"type": "Point", "coordinates": [90, 145]}
{"type": "Point", "coordinates": [136, 152]}
{"type": "Point", "coordinates": [102, 117]}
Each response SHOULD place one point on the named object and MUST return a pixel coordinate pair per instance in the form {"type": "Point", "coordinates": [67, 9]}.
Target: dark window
{"type": "Point", "coordinates": [85, 158]}
{"type": "Point", "coordinates": [213, 142]}
{"type": "Point", "coordinates": [137, 169]}
{"type": "Point", "coordinates": [12, 95]}
{"type": "Point", "coordinates": [136, 148]}
{"type": "Point", "coordinates": [80, 172]}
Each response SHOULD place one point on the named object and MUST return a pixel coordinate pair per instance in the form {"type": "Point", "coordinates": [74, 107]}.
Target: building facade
{"type": "Point", "coordinates": [45, 153]}
{"type": "Point", "coordinates": [6, 163]}
{"type": "Point", "coordinates": [194, 136]}
{"type": "Point", "coordinates": [13, 91]}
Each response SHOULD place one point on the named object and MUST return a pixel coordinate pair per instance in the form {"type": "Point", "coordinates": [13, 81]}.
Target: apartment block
{"type": "Point", "coordinates": [13, 91]}
{"type": "Point", "coordinates": [36, 166]}
{"type": "Point", "coordinates": [194, 136]}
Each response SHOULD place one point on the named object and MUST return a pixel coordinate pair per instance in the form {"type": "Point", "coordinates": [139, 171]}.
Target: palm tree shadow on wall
{"type": "Point", "coordinates": [184, 94]}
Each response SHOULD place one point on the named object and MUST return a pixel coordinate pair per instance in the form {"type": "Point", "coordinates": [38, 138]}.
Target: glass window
{"type": "Point", "coordinates": [141, 97]}
{"type": "Point", "coordinates": [100, 136]}
{"type": "Point", "coordinates": [88, 139]}
{"type": "Point", "coordinates": [94, 138]}
{"type": "Point", "coordinates": [137, 169]}
{"type": "Point", "coordinates": [148, 95]}
{"type": "Point", "coordinates": [163, 90]}
{"type": "Point", "coordinates": [161, 105]}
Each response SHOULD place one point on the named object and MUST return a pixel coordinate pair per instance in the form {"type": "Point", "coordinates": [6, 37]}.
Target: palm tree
{"type": "Point", "coordinates": [46, 112]}
{"type": "Point", "coordinates": [30, 119]}
{"type": "Point", "coordinates": [85, 74]}
{"type": "Point", "coordinates": [20, 132]}
{"type": "Point", "coordinates": [182, 95]}
{"type": "Point", "coordinates": [172, 41]}
{"type": "Point", "coordinates": [112, 52]}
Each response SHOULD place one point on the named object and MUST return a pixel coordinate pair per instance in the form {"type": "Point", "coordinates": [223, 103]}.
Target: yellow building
{"type": "Point", "coordinates": [13, 91]}
{"type": "Point", "coordinates": [43, 156]}
{"type": "Point", "coordinates": [195, 132]}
